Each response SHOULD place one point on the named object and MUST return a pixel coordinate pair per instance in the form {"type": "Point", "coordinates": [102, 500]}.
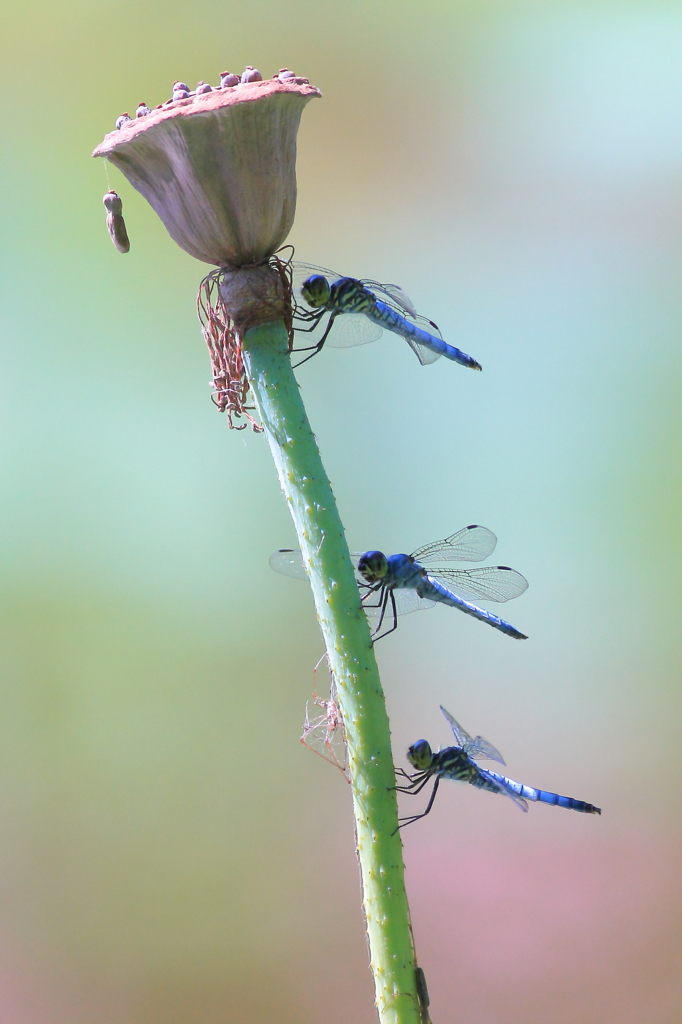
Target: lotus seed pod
{"type": "Point", "coordinates": [220, 168]}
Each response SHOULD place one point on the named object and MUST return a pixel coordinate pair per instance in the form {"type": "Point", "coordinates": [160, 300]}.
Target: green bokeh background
{"type": "Point", "coordinates": [170, 852]}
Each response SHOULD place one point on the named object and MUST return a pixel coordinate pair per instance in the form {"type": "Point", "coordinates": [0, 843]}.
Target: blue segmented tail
{"type": "Point", "coordinates": [387, 317]}
{"type": "Point", "coordinates": [435, 591]}
{"type": "Point", "coordinates": [528, 793]}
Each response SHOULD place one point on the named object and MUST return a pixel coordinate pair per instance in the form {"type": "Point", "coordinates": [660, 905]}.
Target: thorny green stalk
{"type": "Point", "coordinates": [219, 169]}
{"type": "Point", "coordinates": [351, 659]}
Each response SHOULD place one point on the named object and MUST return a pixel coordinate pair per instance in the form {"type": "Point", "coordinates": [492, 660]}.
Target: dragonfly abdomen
{"type": "Point", "coordinates": [566, 801]}
{"type": "Point", "coordinates": [435, 591]}
{"type": "Point", "coordinates": [386, 317]}
{"type": "Point", "coordinates": [542, 795]}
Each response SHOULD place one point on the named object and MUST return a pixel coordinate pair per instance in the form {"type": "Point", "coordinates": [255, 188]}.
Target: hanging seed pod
{"type": "Point", "coordinates": [116, 226]}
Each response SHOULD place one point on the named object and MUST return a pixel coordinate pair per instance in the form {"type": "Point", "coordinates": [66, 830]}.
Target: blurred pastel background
{"type": "Point", "coordinates": [170, 852]}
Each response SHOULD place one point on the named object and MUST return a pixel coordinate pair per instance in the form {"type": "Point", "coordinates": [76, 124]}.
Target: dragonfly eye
{"type": "Point", "coordinates": [316, 291]}
{"type": "Point", "coordinates": [420, 755]}
{"type": "Point", "coordinates": [373, 566]}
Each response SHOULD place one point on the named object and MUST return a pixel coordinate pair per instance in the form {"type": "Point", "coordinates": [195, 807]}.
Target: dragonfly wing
{"type": "Point", "coordinates": [406, 601]}
{"type": "Point", "coordinates": [477, 747]}
{"type": "Point", "coordinates": [351, 329]}
{"type": "Point", "coordinates": [461, 735]}
{"type": "Point", "coordinates": [347, 331]}
{"type": "Point", "coordinates": [394, 297]}
{"type": "Point", "coordinates": [501, 788]}
{"type": "Point", "coordinates": [472, 544]}
{"type": "Point", "coordinates": [289, 561]}
{"type": "Point", "coordinates": [491, 583]}
{"type": "Point", "coordinates": [481, 748]}
{"type": "Point", "coordinates": [424, 355]}
{"type": "Point", "coordinates": [300, 272]}
{"type": "Point", "coordinates": [393, 294]}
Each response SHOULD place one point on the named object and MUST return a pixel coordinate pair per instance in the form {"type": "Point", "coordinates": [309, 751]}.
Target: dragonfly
{"type": "Point", "coordinates": [403, 584]}
{"type": "Point", "coordinates": [459, 763]}
{"type": "Point", "coordinates": [351, 311]}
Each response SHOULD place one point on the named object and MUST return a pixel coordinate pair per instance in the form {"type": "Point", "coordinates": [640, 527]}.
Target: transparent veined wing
{"type": "Point", "coordinates": [501, 788]}
{"type": "Point", "coordinates": [349, 330]}
{"type": "Point", "coordinates": [424, 354]}
{"type": "Point", "coordinates": [301, 271]}
{"type": "Point", "coordinates": [496, 583]}
{"type": "Point", "coordinates": [474, 746]}
{"type": "Point", "coordinates": [472, 544]}
{"type": "Point", "coordinates": [406, 601]}
{"type": "Point", "coordinates": [353, 329]}
{"type": "Point", "coordinates": [462, 737]}
{"type": "Point", "coordinates": [393, 294]}
{"type": "Point", "coordinates": [289, 561]}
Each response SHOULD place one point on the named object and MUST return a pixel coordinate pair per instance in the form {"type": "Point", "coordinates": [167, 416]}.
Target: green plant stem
{"type": "Point", "coordinates": [351, 659]}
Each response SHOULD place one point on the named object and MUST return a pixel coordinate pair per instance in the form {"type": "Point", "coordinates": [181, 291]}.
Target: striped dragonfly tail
{"type": "Point", "coordinates": [435, 591]}
{"type": "Point", "coordinates": [528, 793]}
{"type": "Point", "coordinates": [388, 318]}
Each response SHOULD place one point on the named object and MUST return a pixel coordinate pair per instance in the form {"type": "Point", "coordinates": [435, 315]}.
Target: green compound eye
{"type": "Point", "coordinates": [316, 291]}
{"type": "Point", "coordinates": [373, 566]}
{"type": "Point", "coordinates": [420, 755]}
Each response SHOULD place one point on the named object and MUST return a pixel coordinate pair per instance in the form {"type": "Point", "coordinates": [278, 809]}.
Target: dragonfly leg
{"type": "Point", "coordinates": [416, 817]}
{"type": "Point", "coordinates": [383, 599]}
{"type": "Point", "coordinates": [416, 785]}
{"type": "Point", "coordinates": [371, 590]}
{"type": "Point", "coordinates": [389, 593]}
{"type": "Point", "coordinates": [318, 347]}
{"type": "Point", "coordinates": [313, 319]}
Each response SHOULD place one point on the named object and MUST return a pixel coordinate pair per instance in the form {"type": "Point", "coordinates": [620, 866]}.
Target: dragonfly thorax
{"type": "Point", "coordinates": [373, 566]}
{"type": "Point", "coordinates": [348, 295]}
{"type": "Point", "coordinates": [316, 291]}
{"type": "Point", "coordinates": [420, 755]}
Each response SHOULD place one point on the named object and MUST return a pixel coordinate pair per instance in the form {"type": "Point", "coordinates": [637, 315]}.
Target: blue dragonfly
{"type": "Point", "coordinates": [403, 584]}
{"type": "Point", "coordinates": [459, 763]}
{"type": "Point", "coordinates": [346, 311]}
